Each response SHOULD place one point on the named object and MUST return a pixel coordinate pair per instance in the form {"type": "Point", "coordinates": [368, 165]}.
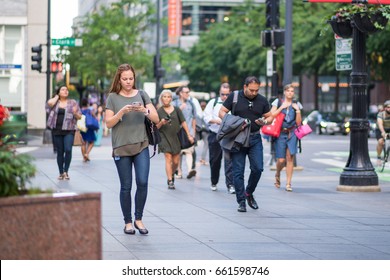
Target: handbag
{"type": "Point", "coordinates": [275, 127]}
{"type": "Point", "coordinates": [183, 139]}
{"type": "Point", "coordinates": [81, 124]}
{"type": "Point", "coordinates": [153, 134]}
{"type": "Point", "coordinates": [78, 139]}
{"type": "Point", "coordinates": [302, 130]}
{"type": "Point", "coordinates": [90, 121]}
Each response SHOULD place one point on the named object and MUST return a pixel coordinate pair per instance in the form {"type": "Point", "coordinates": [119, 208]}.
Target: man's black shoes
{"type": "Point", "coordinates": [241, 207]}
{"type": "Point", "coordinates": [252, 202]}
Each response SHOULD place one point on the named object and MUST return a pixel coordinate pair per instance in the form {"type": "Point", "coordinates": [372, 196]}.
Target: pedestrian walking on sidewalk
{"type": "Point", "coordinates": [216, 152]}
{"type": "Point", "coordinates": [171, 119]}
{"type": "Point", "coordinates": [63, 115]}
{"type": "Point", "coordinates": [125, 114]}
{"type": "Point", "coordinates": [382, 129]}
{"type": "Point", "coordinates": [89, 136]}
{"type": "Point", "coordinates": [99, 133]}
{"type": "Point", "coordinates": [255, 108]}
{"type": "Point", "coordinates": [286, 143]}
{"type": "Point", "coordinates": [184, 103]}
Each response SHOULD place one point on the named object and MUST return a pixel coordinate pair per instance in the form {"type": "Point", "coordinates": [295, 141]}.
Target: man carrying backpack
{"type": "Point", "coordinates": [215, 150]}
{"type": "Point", "coordinates": [253, 107]}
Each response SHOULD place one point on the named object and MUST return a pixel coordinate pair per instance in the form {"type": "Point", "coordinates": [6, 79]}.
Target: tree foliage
{"type": "Point", "coordinates": [229, 51]}
{"type": "Point", "coordinates": [112, 36]}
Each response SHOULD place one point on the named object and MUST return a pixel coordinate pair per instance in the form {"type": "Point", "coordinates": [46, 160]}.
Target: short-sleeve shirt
{"type": "Point", "coordinates": [289, 119]}
{"type": "Point", "coordinates": [386, 120]}
{"type": "Point", "coordinates": [189, 112]}
{"type": "Point", "coordinates": [169, 141]}
{"type": "Point", "coordinates": [131, 129]}
{"type": "Point", "coordinates": [249, 109]}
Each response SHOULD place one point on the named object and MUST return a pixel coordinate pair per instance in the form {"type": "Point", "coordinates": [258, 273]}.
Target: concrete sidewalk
{"type": "Point", "coordinates": [314, 222]}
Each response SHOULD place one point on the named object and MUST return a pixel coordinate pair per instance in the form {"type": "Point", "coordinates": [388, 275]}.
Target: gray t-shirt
{"type": "Point", "coordinates": [131, 129]}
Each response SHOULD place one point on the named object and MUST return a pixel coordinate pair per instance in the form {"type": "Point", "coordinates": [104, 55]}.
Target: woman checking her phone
{"type": "Point", "coordinates": [126, 109]}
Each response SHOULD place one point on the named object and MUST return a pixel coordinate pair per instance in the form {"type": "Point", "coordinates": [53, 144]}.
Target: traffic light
{"type": "Point", "coordinates": [159, 72]}
{"type": "Point", "coordinates": [272, 13]}
{"type": "Point", "coordinates": [56, 66]}
{"type": "Point", "coordinates": [36, 57]}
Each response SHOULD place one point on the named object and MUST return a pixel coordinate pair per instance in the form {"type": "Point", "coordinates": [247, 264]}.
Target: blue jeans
{"type": "Point", "coordinates": [64, 144]}
{"type": "Point", "coordinates": [255, 156]}
{"type": "Point", "coordinates": [124, 166]}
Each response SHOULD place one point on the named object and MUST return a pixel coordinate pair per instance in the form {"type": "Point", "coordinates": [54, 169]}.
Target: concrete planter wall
{"type": "Point", "coordinates": [63, 226]}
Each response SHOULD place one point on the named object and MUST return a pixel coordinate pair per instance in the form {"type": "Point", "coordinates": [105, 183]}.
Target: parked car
{"type": "Point", "coordinates": [327, 122]}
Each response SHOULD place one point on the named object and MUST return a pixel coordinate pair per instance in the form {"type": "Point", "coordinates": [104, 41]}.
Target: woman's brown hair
{"type": "Point", "coordinates": [116, 85]}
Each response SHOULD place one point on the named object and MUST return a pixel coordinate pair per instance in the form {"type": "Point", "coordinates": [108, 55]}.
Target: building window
{"type": "Point", "coordinates": [11, 58]}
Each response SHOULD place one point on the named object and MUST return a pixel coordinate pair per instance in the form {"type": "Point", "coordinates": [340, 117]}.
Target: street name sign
{"type": "Point", "coordinates": [10, 66]}
{"type": "Point", "coordinates": [67, 42]}
{"type": "Point", "coordinates": [343, 54]}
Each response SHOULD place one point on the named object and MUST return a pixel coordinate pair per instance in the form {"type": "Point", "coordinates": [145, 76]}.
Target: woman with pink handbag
{"type": "Point", "coordinates": [286, 143]}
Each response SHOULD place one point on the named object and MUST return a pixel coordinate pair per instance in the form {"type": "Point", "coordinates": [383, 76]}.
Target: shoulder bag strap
{"type": "Point", "coordinates": [235, 99]}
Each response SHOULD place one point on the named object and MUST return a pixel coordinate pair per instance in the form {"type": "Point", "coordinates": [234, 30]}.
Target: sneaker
{"type": "Point", "coordinates": [231, 189]}
{"type": "Point", "coordinates": [288, 188]}
{"type": "Point", "coordinates": [171, 185]}
{"type": "Point", "coordinates": [178, 176]}
{"type": "Point", "coordinates": [213, 187]}
{"type": "Point", "coordinates": [191, 174]}
{"type": "Point", "coordinates": [241, 207]}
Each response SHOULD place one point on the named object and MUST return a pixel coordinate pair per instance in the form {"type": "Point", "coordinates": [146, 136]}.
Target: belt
{"type": "Point", "coordinates": [287, 130]}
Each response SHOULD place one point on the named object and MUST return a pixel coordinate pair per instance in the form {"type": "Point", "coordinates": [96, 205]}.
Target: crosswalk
{"type": "Point", "coordinates": [337, 164]}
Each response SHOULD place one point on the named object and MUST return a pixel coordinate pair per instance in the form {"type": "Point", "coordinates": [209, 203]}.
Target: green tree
{"type": "Point", "coordinates": [228, 51]}
{"type": "Point", "coordinates": [112, 36]}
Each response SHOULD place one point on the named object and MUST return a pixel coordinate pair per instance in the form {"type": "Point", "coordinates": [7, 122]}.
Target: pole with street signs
{"type": "Point", "coordinates": [358, 174]}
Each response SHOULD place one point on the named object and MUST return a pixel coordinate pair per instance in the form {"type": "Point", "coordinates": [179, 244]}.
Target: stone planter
{"type": "Point", "coordinates": [61, 226]}
{"type": "Point", "coordinates": [368, 24]}
{"type": "Point", "coordinates": [342, 29]}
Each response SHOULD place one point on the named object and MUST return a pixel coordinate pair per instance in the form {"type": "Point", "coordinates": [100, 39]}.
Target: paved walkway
{"type": "Point", "coordinates": [314, 222]}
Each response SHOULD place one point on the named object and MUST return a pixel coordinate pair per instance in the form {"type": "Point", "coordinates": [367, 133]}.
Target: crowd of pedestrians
{"type": "Point", "coordinates": [228, 127]}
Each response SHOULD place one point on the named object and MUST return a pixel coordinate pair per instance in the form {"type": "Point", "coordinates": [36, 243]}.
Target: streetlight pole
{"type": "Point", "coordinates": [157, 58]}
{"type": "Point", "coordinates": [48, 44]}
{"type": "Point", "coordinates": [47, 134]}
{"type": "Point", "coordinates": [359, 174]}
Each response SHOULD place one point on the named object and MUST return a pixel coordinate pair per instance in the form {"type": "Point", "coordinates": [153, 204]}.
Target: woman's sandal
{"type": "Point", "coordinates": [288, 188]}
{"type": "Point", "coordinates": [277, 181]}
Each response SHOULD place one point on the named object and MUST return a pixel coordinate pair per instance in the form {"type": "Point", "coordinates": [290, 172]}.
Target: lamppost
{"type": "Point", "coordinates": [48, 44]}
{"type": "Point", "coordinates": [159, 72]}
{"type": "Point", "coordinates": [358, 175]}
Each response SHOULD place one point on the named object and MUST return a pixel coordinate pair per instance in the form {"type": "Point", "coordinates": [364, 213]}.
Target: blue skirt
{"type": "Point", "coordinates": [89, 136]}
{"type": "Point", "coordinates": [284, 141]}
